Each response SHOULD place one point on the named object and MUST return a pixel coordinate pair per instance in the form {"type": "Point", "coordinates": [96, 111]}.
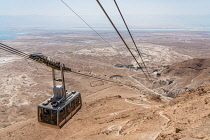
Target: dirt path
{"type": "Point", "coordinates": [150, 90]}
{"type": "Point", "coordinates": [161, 113]}
{"type": "Point", "coordinates": [143, 105]}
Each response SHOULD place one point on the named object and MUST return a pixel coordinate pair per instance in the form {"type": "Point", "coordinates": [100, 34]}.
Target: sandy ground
{"type": "Point", "coordinates": [109, 111]}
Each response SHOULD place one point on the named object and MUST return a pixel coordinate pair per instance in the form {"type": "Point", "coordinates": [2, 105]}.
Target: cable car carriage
{"type": "Point", "coordinates": [56, 113]}
{"type": "Point", "coordinates": [64, 104]}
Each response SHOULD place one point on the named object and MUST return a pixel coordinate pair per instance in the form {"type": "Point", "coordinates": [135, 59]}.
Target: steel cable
{"type": "Point", "coordinates": [26, 56]}
{"type": "Point", "coordinates": [131, 37]}
{"type": "Point", "coordinates": [90, 76]}
{"type": "Point", "coordinates": [12, 52]}
{"type": "Point", "coordinates": [90, 27]}
{"type": "Point", "coordinates": [13, 49]}
{"type": "Point", "coordinates": [122, 39]}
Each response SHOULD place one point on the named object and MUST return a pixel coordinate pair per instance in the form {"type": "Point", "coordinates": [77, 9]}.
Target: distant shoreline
{"type": "Point", "coordinates": [12, 33]}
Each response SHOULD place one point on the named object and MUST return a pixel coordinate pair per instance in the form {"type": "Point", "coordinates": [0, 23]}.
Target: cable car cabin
{"type": "Point", "coordinates": [58, 114]}
{"type": "Point", "coordinates": [63, 104]}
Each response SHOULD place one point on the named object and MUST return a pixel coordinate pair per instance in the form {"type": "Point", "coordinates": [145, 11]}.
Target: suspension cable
{"type": "Point", "coordinates": [22, 54]}
{"type": "Point", "coordinates": [12, 52]}
{"type": "Point", "coordinates": [90, 76]}
{"type": "Point", "coordinates": [122, 39]}
{"type": "Point", "coordinates": [27, 56]}
{"type": "Point", "coordinates": [140, 55]}
{"type": "Point", "coordinates": [90, 27]}
{"type": "Point", "coordinates": [12, 49]}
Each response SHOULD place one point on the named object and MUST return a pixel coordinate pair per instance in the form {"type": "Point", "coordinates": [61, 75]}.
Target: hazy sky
{"type": "Point", "coordinates": [138, 13]}
{"type": "Point", "coordinates": [90, 7]}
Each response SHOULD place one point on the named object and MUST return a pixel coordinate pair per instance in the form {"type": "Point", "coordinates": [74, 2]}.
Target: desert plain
{"type": "Point", "coordinates": [173, 106]}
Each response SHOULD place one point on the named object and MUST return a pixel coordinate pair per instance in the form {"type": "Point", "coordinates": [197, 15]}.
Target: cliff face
{"type": "Point", "coordinates": [192, 67]}
{"type": "Point", "coordinates": [189, 115]}
{"type": "Point", "coordinates": [183, 76]}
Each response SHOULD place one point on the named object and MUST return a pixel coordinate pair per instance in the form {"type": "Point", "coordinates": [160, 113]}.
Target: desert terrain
{"type": "Point", "coordinates": [174, 106]}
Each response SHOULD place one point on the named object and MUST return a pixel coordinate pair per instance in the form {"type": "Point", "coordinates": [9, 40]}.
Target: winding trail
{"type": "Point", "coordinates": [152, 91]}
{"type": "Point", "coordinates": [164, 126]}
{"type": "Point", "coordinates": [117, 128]}
{"type": "Point", "coordinates": [143, 105]}
{"type": "Point", "coordinates": [117, 113]}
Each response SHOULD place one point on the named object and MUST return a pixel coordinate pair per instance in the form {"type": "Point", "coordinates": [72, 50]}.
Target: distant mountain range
{"type": "Point", "coordinates": [138, 21]}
